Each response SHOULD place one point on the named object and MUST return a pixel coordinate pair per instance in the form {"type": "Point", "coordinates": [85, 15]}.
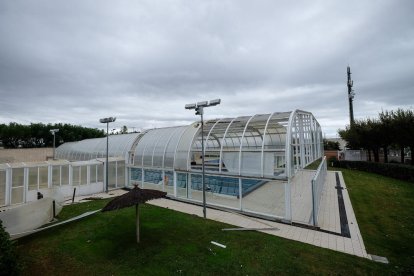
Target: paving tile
{"type": "Point", "coordinates": [340, 245]}
{"type": "Point", "coordinates": [332, 242]}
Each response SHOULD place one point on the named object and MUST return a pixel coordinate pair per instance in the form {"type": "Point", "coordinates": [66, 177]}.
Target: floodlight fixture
{"type": "Point", "coordinates": [107, 121]}
{"type": "Point", "coordinates": [190, 106]}
{"type": "Point", "coordinates": [214, 102]}
{"type": "Point", "coordinates": [202, 104]}
{"type": "Point", "coordinates": [199, 110]}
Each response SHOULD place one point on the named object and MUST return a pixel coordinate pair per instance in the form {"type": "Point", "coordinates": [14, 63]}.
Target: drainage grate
{"type": "Point", "coordinates": [342, 212]}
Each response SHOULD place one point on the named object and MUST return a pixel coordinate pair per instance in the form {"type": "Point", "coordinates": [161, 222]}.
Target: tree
{"type": "Point", "coordinates": [386, 129]}
{"type": "Point", "coordinates": [392, 128]}
{"type": "Point", "coordinates": [37, 135]}
{"type": "Point", "coordinates": [124, 130]}
{"type": "Point", "coordinates": [403, 123]}
{"type": "Point", "coordinates": [330, 145]}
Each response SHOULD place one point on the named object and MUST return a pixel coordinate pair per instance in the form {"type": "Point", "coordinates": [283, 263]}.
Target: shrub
{"type": "Point", "coordinates": [397, 171]}
{"type": "Point", "coordinates": [8, 258]}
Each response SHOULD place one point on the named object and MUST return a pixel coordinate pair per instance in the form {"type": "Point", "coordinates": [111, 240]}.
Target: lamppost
{"type": "Point", "coordinates": [53, 131]}
{"type": "Point", "coordinates": [199, 108]}
{"type": "Point", "coordinates": [107, 121]}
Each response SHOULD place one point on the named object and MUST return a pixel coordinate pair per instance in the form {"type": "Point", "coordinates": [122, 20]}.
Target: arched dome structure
{"type": "Point", "coordinates": [264, 145]}
{"type": "Point", "coordinates": [249, 160]}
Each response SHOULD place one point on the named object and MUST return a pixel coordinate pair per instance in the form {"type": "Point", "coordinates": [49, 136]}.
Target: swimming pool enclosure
{"type": "Point", "coordinates": [249, 161]}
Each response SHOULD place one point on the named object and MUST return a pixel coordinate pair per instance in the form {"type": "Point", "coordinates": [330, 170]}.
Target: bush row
{"type": "Point", "coordinates": [397, 171]}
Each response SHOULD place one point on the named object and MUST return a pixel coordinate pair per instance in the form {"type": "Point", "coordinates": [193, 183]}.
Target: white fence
{"type": "Point", "coordinates": [21, 182]}
{"type": "Point", "coordinates": [318, 182]}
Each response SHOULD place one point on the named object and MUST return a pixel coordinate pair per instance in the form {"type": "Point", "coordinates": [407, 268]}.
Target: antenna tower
{"type": "Point", "coordinates": [351, 95]}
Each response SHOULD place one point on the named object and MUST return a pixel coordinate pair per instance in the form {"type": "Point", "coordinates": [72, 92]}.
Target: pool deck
{"type": "Point", "coordinates": [328, 236]}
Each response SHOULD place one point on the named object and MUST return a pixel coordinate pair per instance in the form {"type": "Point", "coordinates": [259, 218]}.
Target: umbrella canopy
{"type": "Point", "coordinates": [133, 197]}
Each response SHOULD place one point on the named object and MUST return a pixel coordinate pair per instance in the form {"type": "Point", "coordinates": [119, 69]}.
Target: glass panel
{"type": "Point", "coordinates": [251, 163]}
{"type": "Point", "coordinates": [84, 175]}
{"type": "Point", "coordinates": [121, 174]}
{"type": "Point", "coordinates": [153, 180]}
{"type": "Point", "coordinates": [181, 157]}
{"type": "Point", "coordinates": [100, 173]}
{"type": "Point", "coordinates": [65, 174]}
{"type": "Point", "coordinates": [17, 195]}
{"type": "Point", "coordinates": [43, 177]}
{"type": "Point", "coordinates": [92, 173]}
{"type": "Point", "coordinates": [112, 175]}
{"type": "Point", "coordinates": [76, 176]}
{"type": "Point", "coordinates": [33, 178]}
{"type": "Point", "coordinates": [88, 149]}
{"type": "Point", "coordinates": [136, 176]}
{"type": "Point", "coordinates": [172, 145]}
{"type": "Point", "coordinates": [169, 182]}
{"type": "Point", "coordinates": [222, 191]}
{"type": "Point", "coordinates": [164, 138]}
{"type": "Point", "coordinates": [182, 185]}
{"type": "Point", "coordinates": [56, 175]}
{"type": "Point", "coordinates": [2, 188]}
{"type": "Point", "coordinates": [264, 197]}
{"type": "Point", "coordinates": [18, 177]}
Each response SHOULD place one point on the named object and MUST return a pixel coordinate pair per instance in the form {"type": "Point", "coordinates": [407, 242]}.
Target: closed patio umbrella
{"type": "Point", "coordinates": [134, 197]}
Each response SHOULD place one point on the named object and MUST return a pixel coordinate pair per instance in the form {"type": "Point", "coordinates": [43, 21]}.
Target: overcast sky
{"type": "Point", "coordinates": [142, 61]}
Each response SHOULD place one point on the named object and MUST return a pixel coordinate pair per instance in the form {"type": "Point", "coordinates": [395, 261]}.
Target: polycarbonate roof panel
{"type": "Point", "coordinates": [157, 147]}
{"type": "Point", "coordinates": [118, 146]}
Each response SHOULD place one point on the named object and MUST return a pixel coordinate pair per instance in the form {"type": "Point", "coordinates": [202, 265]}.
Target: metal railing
{"type": "Point", "coordinates": [318, 182]}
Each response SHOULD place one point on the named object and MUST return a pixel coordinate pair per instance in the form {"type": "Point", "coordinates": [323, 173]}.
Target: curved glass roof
{"type": "Point", "coordinates": [263, 145]}
{"type": "Point", "coordinates": [119, 146]}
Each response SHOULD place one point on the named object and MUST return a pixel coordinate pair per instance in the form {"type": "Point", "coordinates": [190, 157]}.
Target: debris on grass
{"type": "Point", "coordinates": [92, 198]}
{"type": "Point", "coordinates": [218, 244]}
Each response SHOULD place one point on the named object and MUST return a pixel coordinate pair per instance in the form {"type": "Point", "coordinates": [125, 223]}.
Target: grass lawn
{"type": "Point", "coordinates": [384, 208]}
{"type": "Point", "coordinates": [177, 243]}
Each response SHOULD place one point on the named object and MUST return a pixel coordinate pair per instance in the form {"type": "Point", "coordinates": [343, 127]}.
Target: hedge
{"type": "Point", "coordinates": [9, 264]}
{"type": "Point", "coordinates": [397, 171]}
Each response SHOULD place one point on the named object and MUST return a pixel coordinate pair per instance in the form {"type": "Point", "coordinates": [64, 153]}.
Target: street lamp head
{"type": "Point", "coordinates": [214, 102]}
{"type": "Point", "coordinates": [107, 120]}
{"type": "Point", "coordinates": [53, 131]}
{"type": "Point", "coordinates": [202, 104]}
{"type": "Point", "coordinates": [190, 106]}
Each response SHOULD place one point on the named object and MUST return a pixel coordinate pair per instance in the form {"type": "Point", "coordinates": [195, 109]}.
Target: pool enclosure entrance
{"type": "Point", "coordinates": [250, 161]}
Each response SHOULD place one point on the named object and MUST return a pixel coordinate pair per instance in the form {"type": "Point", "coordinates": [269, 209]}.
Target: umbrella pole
{"type": "Point", "coordinates": [137, 221]}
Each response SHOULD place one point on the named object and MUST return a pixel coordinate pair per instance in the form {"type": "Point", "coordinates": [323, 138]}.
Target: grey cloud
{"type": "Point", "coordinates": [77, 61]}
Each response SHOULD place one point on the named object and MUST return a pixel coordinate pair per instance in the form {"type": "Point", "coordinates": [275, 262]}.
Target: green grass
{"type": "Point", "coordinates": [384, 209]}
{"type": "Point", "coordinates": [177, 243]}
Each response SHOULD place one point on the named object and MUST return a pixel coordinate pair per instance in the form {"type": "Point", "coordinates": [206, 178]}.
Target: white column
{"type": "Point", "coordinates": [25, 183]}
{"type": "Point", "coordinates": [71, 176]}
{"type": "Point", "coordinates": [8, 186]}
{"type": "Point", "coordinates": [175, 183]}
{"type": "Point", "coordinates": [288, 204]}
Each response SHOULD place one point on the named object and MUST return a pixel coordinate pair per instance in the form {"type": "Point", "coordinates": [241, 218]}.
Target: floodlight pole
{"type": "Point", "coordinates": [53, 131]}
{"type": "Point", "coordinates": [107, 159]}
{"type": "Point", "coordinates": [199, 108]}
{"type": "Point", "coordinates": [107, 121]}
{"type": "Point", "coordinates": [201, 111]}
{"type": "Point", "coordinates": [351, 95]}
